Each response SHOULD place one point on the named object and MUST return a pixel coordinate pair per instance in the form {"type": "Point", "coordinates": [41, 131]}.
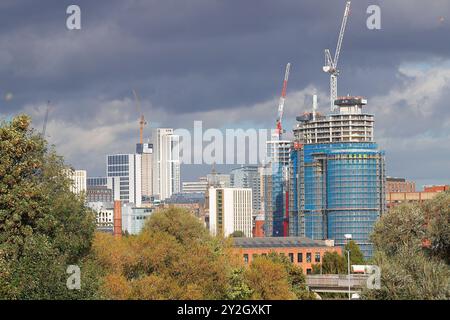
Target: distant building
{"type": "Point", "coordinates": [219, 180]}
{"type": "Point", "coordinates": [146, 152]}
{"type": "Point", "coordinates": [301, 251]}
{"type": "Point", "coordinates": [166, 163]}
{"type": "Point", "coordinates": [78, 178]}
{"type": "Point", "coordinates": [399, 185]}
{"type": "Point", "coordinates": [195, 186]}
{"type": "Point", "coordinates": [230, 210]}
{"type": "Point", "coordinates": [258, 228]}
{"type": "Point", "coordinates": [133, 218]}
{"type": "Point", "coordinates": [104, 215]}
{"type": "Point", "coordinates": [276, 179]}
{"type": "Point", "coordinates": [99, 194]}
{"type": "Point", "coordinates": [124, 177]}
{"type": "Point", "coordinates": [436, 188]}
{"type": "Point", "coordinates": [96, 181]}
{"type": "Point", "coordinates": [396, 198]}
{"type": "Point", "coordinates": [248, 177]}
{"type": "Point", "coordinates": [194, 202]}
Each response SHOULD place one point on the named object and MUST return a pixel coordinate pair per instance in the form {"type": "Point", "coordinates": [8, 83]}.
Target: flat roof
{"type": "Point", "coordinates": [276, 242]}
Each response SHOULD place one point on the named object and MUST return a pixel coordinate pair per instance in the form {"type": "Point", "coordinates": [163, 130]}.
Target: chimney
{"type": "Point", "coordinates": [117, 232]}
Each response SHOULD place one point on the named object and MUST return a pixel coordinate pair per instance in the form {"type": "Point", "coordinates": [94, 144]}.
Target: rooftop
{"type": "Point", "coordinates": [276, 242]}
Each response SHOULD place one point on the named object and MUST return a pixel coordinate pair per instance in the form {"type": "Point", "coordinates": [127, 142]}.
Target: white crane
{"type": "Point", "coordinates": [281, 103]}
{"type": "Point", "coordinates": [330, 64]}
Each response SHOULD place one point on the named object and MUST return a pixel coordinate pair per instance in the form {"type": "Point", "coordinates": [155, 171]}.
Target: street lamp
{"type": "Point", "coordinates": [348, 237]}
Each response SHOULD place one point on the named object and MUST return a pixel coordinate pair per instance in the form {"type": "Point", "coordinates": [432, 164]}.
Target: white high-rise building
{"type": "Point", "coordinates": [124, 177]}
{"type": "Point", "coordinates": [166, 163]}
{"type": "Point", "coordinates": [79, 181]}
{"type": "Point", "coordinates": [230, 210]}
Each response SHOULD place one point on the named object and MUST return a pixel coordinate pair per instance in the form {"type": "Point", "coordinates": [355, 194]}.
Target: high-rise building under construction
{"type": "Point", "coordinates": [337, 175]}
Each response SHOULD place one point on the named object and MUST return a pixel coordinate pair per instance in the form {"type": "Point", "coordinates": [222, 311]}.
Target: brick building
{"type": "Point", "coordinates": [302, 251]}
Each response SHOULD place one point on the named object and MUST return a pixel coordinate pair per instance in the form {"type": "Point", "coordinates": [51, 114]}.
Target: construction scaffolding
{"type": "Point", "coordinates": [340, 190]}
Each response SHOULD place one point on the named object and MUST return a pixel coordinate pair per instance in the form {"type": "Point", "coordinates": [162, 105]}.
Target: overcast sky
{"type": "Point", "coordinates": [222, 62]}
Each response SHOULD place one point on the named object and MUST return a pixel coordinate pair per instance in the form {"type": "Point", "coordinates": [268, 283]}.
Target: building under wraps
{"type": "Point", "coordinates": [276, 182]}
{"type": "Point", "coordinates": [336, 176]}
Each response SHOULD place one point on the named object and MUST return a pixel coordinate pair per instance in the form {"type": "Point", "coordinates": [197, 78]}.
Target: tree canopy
{"type": "Point", "coordinates": [43, 226]}
{"type": "Point", "coordinates": [411, 243]}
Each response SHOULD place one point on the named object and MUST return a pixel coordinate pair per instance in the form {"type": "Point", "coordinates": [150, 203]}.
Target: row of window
{"type": "Point", "coordinates": [291, 257]}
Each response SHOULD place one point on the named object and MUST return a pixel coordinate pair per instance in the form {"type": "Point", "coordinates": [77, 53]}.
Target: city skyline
{"type": "Point", "coordinates": [224, 67]}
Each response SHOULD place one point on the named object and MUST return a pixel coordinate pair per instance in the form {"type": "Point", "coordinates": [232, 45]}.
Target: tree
{"type": "Point", "coordinates": [401, 226]}
{"type": "Point", "coordinates": [43, 226]}
{"type": "Point", "coordinates": [356, 256]}
{"type": "Point", "coordinates": [269, 280]}
{"type": "Point", "coordinates": [292, 281]}
{"type": "Point", "coordinates": [238, 288]}
{"type": "Point", "coordinates": [174, 257]}
{"type": "Point", "coordinates": [410, 274]}
{"type": "Point", "coordinates": [437, 216]}
{"type": "Point", "coordinates": [237, 234]}
{"type": "Point", "coordinates": [332, 263]}
{"type": "Point", "coordinates": [411, 269]}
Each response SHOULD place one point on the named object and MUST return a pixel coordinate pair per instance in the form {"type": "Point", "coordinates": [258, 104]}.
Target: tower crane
{"type": "Point", "coordinates": [44, 126]}
{"type": "Point", "coordinates": [281, 103]}
{"type": "Point", "coordinates": [142, 121]}
{"type": "Point", "coordinates": [331, 64]}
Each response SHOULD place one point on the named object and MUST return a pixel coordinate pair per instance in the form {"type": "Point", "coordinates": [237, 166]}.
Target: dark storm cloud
{"type": "Point", "coordinates": [194, 56]}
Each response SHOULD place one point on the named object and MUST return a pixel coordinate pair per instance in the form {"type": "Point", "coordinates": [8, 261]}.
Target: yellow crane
{"type": "Point", "coordinates": [142, 121]}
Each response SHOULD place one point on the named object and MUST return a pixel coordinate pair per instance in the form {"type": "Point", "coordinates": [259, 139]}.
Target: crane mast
{"type": "Point", "coordinates": [331, 64]}
{"type": "Point", "coordinates": [142, 121]}
{"type": "Point", "coordinates": [44, 126]}
{"type": "Point", "coordinates": [279, 126]}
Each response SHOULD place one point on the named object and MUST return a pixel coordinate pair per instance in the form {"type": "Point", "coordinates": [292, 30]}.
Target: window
{"type": "Point", "coordinates": [308, 271]}
{"type": "Point", "coordinates": [246, 258]}
{"type": "Point", "coordinates": [308, 257]}
{"type": "Point", "coordinates": [299, 257]}
{"type": "Point", "coordinates": [291, 257]}
{"type": "Point", "coordinates": [317, 257]}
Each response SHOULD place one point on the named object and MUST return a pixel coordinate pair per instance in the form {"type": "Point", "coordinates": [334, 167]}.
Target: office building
{"type": "Point", "coordinates": [124, 177]}
{"type": "Point", "coordinates": [99, 194]}
{"type": "Point", "coordinates": [78, 178]}
{"type": "Point", "coordinates": [275, 190]}
{"type": "Point", "coordinates": [195, 186]}
{"type": "Point", "coordinates": [230, 210]}
{"type": "Point", "coordinates": [248, 177]}
{"type": "Point", "coordinates": [134, 218]}
{"type": "Point", "coordinates": [96, 181]}
{"type": "Point", "coordinates": [337, 176]}
{"type": "Point", "coordinates": [146, 152]}
{"type": "Point", "coordinates": [104, 215]}
{"type": "Point", "coordinates": [166, 163]}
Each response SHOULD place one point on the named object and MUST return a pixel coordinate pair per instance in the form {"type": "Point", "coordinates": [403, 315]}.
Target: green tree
{"type": "Point", "coordinates": [332, 263]}
{"type": "Point", "coordinates": [437, 216]}
{"type": "Point", "coordinates": [238, 288]}
{"type": "Point", "coordinates": [410, 244]}
{"type": "Point", "coordinates": [356, 256]}
{"type": "Point", "coordinates": [43, 226]}
{"type": "Point", "coordinates": [238, 234]}
{"type": "Point", "coordinates": [410, 274]}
